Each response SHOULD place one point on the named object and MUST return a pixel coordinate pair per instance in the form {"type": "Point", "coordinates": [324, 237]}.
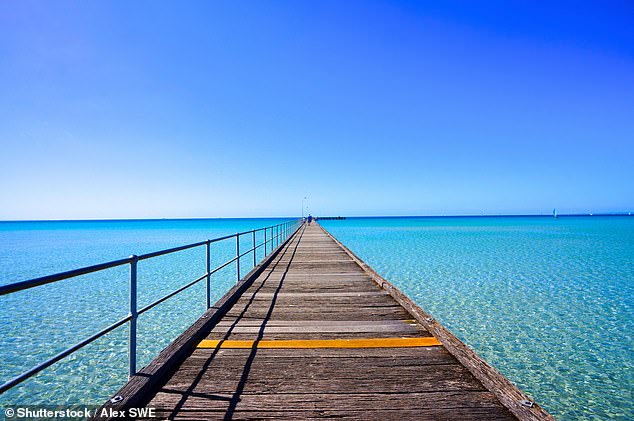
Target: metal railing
{"type": "Point", "coordinates": [273, 236]}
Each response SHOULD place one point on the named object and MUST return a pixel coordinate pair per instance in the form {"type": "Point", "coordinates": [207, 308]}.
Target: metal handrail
{"type": "Point", "coordinates": [31, 283]}
{"type": "Point", "coordinates": [282, 231]}
{"type": "Point", "coordinates": [20, 286]}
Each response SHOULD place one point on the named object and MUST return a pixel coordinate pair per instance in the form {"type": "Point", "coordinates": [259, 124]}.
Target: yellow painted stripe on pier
{"type": "Point", "coordinates": [323, 343]}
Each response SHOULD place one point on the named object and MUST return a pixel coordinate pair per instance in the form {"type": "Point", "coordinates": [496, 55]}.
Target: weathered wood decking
{"type": "Point", "coordinates": [315, 289]}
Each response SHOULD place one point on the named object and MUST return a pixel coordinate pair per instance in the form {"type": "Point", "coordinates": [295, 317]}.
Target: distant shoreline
{"type": "Point", "coordinates": [618, 214]}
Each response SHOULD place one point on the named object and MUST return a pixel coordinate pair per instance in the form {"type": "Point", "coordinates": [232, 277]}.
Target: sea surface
{"type": "Point", "coordinates": [549, 302]}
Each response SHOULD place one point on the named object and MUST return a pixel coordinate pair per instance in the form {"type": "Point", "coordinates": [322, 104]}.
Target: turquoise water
{"type": "Point", "coordinates": [38, 323]}
{"type": "Point", "coordinates": [549, 302]}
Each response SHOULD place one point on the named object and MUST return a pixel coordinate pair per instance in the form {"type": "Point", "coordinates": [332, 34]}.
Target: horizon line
{"type": "Point", "coordinates": [203, 218]}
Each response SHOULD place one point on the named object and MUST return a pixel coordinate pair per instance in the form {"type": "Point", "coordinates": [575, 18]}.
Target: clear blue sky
{"type": "Point", "coordinates": [115, 109]}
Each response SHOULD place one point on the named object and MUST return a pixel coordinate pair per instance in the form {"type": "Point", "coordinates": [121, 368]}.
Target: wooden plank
{"type": "Point", "coordinates": [322, 343]}
{"type": "Point", "coordinates": [379, 356]}
{"type": "Point", "coordinates": [324, 401]}
{"type": "Point", "coordinates": [321, 328]}
{"type": "Point", "coordinates": [229, 363]}
{"type": "Point", "coordinates": [314, 300]}
{"type": "Point", "coordinates": [297, 313]}
{"type": "Point", "coordinates": [229, 335]}
{"type": "Point", "coordinates": [325, 329]}
{"type": "Point", "coordinates": [343, 323]}
{"type": "Point", "coordinates": [385, 414]}
{"type": "Point", "coordinates": [307, 378]}
{"type": "Point", "coordinates": [307, 295]}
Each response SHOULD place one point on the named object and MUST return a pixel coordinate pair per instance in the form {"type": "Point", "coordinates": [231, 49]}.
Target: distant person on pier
{"type": "Point", "coordinates": [310, 219]}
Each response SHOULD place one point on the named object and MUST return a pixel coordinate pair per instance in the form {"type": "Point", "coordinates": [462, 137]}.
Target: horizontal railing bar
{"type": "Point", "coordinates": [228, 262]}
{"type": "Point", "coordinates": [245, 253]}
{"type": "Point", "coordinates": [180, 248]}
{"type": "Point", "coordinates": [172, 250]}
{"type": "Point", "coordinates": [149, 306]}
{"type": "Point", "coordinates": [272, 226]}
{"type": "Point", "coordinates": [185, 247]}
{"type": "Point", "coordinates": [170, 295]}
{"type": "Point", "coordinates": [264, 228]}
{"type": "Point", "coordinates": [24, 376]}
{"type": "Point", "coordinates": [224, 265]}
{"type": "Point", "coordinates": [256, 230]}
{"type": "Point", "coordinates": [20, 286]}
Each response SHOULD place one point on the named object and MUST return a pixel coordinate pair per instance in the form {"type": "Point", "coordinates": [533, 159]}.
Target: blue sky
{"type": "Point", "coordinates": [117, 109]}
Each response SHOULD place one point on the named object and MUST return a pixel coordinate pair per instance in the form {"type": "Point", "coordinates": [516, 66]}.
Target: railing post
{"type": "Point", "coordinates": [208, 274]}
{"type": "Point", "coordinates": [238, 256]}
{"type": "Point", "coordinates": [254, 258]}
{"type": "Point", "coordinates": [133, 316]}
{"type": "Point", "coordinates": [265, 241]}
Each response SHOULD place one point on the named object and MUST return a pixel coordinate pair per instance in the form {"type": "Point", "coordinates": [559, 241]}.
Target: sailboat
{"type": "Point", "coordinates": [555, 213]}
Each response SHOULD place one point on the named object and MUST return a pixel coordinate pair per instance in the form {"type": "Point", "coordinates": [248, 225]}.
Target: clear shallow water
{"type": "Point", "coordinates": [549, 302]}
{"type": "Point", "coordinates": [38, 323]}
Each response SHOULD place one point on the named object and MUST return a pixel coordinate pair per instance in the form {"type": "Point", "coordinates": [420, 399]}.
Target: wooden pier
{"type": "Point", "coordinates": [315, 333]}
